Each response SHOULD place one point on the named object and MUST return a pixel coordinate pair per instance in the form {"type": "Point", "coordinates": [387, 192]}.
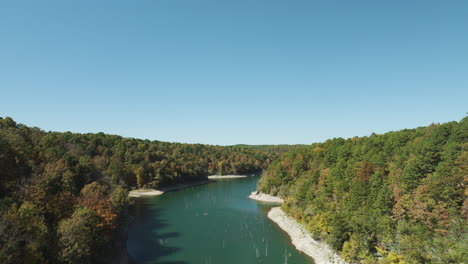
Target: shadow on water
{"type": "Point", "coordinates": [144, 248]}
{"type": "Point", "coordinates": [213, 223]}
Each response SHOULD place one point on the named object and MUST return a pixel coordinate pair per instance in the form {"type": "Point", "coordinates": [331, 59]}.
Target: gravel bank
{"type": "Point", "coordinates": [144, 192]}
{"type": "Point", "coordinates": [153, 192]}
{"type": "Point", "coordinates": [215, 177]}
{"type": "Point", "coordinates": [302, 240]}
{"type": "Point", "coordinates": [259, 196]}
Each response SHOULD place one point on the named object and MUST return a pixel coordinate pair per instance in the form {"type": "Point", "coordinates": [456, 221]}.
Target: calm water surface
{"type": "Point", "coordinates": [208, 224]}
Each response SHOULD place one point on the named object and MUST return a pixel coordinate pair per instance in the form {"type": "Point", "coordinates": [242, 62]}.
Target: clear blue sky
{"type": "Point", "coordinates": [228, 72]}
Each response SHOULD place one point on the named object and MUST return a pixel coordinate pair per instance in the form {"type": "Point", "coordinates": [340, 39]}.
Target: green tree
{"type": "Point", "coordinates": [80, 237]}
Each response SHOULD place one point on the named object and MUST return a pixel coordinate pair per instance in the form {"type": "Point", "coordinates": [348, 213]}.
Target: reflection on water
{"type": "Point", "coordinates": [208, 224]}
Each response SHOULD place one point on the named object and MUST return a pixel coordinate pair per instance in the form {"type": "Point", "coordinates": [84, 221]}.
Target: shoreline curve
{"type": "Point", "coordinates": [215, 177]}
{"type": "Point", "coordinates": [154, 192]}
{"type": "Point", "coordinates": [263, 197]}
{"type": "Point", "coordinates": [302, 239]}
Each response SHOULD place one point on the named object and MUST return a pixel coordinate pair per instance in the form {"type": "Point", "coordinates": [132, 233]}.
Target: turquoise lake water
{"type": "Point", "coordinates": [208, 224]}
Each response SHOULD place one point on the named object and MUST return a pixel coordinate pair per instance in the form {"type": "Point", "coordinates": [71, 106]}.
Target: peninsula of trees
{"type": "Point", "coordinates": [400, 197]}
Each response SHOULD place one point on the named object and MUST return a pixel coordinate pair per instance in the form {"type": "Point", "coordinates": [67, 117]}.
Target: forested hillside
{"type": "Point", "coordinates": [275, 150]}
{"type": "Point", "coordinates": [400, 197]}
{"type": "Point", "coordinates": [62, 195]}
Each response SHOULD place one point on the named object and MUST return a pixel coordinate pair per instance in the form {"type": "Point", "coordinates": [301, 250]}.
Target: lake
{"type": "Point", "coordinates": [208, 224]}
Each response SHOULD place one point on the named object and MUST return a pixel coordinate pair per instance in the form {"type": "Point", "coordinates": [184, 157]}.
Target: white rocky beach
{"type": "Point", "coordinates": [153, 192]}
{"type": "Point", "coordinates": [217, 177]}
{"type": "Point", "coordinates": [302, 239]}
{"type": "Point", "coordinates": [263, 197]}
{"type": "Point", "coordinates": [144, 192]}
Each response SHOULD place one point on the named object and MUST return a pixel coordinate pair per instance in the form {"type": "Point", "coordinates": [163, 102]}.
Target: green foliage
{"type": "Point", "coordinates": [400, 196]}
{"type": "Point", "coordinates": [48, 175]}
{"type": "Point", "coordinates": [80, 237]}
{"type": "Point", "coordinates": [119, 198]}
{"type": "Point", "coordinates": [23, 234]}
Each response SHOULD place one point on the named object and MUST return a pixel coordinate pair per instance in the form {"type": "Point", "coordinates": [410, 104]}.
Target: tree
{"type": "Point", "coordinates": [140, 176]}
{"type": "Point", "coordinates": [23, 235]}
{"type": "Point", "coordinates": [93, 196]}
{"type": "Point", "coordinates": [80, 237]}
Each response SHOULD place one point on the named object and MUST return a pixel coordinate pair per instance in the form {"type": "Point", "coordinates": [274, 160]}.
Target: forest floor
{"type": "Point", "coordinates": [302, 239]}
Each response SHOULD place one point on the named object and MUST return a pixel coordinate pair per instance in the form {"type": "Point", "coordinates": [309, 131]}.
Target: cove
{"type": "Point", "coordinates": [208, 224]}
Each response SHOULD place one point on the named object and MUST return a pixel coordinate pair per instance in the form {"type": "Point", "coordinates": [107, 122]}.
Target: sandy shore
{"type": "Point", "coordinates": [215, 177]}
{"type": "Point", "coordinates": [153, 192]}
{"type": "Point", "coordinates": [144, 192]}
{"type": "Point", "coordinates": [302, 240]}
{"type": "Point", "coordinates": [263, 197]}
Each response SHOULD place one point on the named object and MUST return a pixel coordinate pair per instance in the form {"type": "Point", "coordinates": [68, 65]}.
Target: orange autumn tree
{"type": "Point", "coordinates": [93, 196]}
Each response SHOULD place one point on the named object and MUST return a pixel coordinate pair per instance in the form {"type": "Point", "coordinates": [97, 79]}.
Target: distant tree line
{"type": "Point", "coordinates": [399, 197]}
{"type": "Point", "coordinates": [63, 195]}
{"type": "Point", "coordinates": [272, 149]}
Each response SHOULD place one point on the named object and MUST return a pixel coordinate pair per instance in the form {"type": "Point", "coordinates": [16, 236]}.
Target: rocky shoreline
{"type": "Point", "coordinates": [263, 197]}
{"type": "Point", "coordinates": [153, 192]}
{"type": "Point", "coordinates": [144, 192]}
{"type": "Point", "coordinates": [302, 239]}
{"type": "Point", "coordinates": [215, 177]}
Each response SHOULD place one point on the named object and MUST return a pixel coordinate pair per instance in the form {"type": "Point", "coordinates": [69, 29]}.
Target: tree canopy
{"type": "Point", "coordinates": [399, 197]}
{"type": "Point", "coordinates": [62, 195]}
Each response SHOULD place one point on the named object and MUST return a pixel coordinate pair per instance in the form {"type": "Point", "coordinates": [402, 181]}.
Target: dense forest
{"type": "Point", "coordinates": [272, 149]}
{"type": "Point", "coordinates": [399, 197]}
{"type": "Point", "coordinates": [63, 196]}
